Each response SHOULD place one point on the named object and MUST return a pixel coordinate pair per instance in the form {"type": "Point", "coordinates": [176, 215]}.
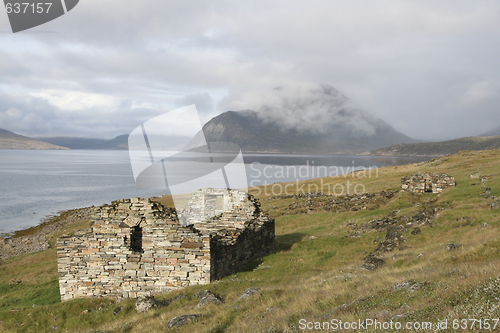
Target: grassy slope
{"type": "Point", "coordinates": [309, 276]}
{"type": "Point", "coordinates": [10, 140]}
{"type": "Point", "coordinates": [442, 148]}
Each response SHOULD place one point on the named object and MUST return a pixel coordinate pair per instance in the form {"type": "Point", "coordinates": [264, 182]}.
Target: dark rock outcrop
{"type": "Point", "coordinates": [249, 292]}
{"type": "Point", "coordinates": [182, 320]}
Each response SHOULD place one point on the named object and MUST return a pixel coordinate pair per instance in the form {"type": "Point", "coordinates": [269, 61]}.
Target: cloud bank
{"type": "Point", "coordinates": [106, 67]}
{"type": "Point", "coordinates": [312, 108]}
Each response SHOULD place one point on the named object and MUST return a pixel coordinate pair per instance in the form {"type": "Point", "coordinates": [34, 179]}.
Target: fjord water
{"type": "Point", "coordinates": [37, 183]}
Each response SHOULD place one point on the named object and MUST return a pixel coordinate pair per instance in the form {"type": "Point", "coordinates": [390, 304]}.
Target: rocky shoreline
{"type": "Point", "coordinates": [34, 239]}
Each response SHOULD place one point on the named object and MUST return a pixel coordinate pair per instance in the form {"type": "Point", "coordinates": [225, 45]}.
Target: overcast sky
{"type": "Point", "coordinates": [431, 69]}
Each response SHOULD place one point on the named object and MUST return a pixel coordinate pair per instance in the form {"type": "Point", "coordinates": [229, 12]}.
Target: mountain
{"type": "Point", "coordinates": [73, 143]}
{"type": "Point", "coordinates": [493, 132]}
{"type": "Point", "coordinates": [253, 134]}
{"type": "Point", "coordinates": [10, 140]}
{"type": "Point", "coordinates": [439, 148]}
{"type": "Point", "coordinates": [118, 143]}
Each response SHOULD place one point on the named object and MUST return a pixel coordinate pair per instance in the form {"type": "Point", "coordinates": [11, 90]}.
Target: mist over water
{"type": "Point", "coordinates": [35, 184]}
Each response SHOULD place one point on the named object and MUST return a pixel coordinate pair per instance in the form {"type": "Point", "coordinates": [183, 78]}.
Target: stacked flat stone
{"type": "Point", "coordinates": [137, 247]}
{"type": "Point", "coordinates": [427, 182]}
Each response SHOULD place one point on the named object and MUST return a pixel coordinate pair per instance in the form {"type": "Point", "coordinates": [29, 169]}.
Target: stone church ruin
{"type": "Point", "coordinates": [427, 182]}
{"type": "Point", "coordinates": [138, 247]}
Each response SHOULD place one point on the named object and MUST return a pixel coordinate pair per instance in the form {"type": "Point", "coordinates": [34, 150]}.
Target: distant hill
{"type": "Point", "coordinates": [10, 140]}
{"type": "Point", "coordinates": [73, 143]}
{"type": "Point", "coordinates": [118, 143]}
{"type": "Point", "coordinates": [442, 148]}
{"type": "Point", "coordinates": [254, 135]}
{"type": "Point", "coordinates": [493, 132]}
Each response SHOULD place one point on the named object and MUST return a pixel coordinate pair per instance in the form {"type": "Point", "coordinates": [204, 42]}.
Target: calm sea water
{"type": "Point", "coordinates": [37, 183]}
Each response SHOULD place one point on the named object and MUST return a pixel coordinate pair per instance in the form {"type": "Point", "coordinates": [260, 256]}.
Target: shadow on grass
{"type": "Point", "coordinates": [282, 243]}
{"type": "Point", "coordinates": [285, 242]}
{"type": "Point", "coordinates": [253, 265]}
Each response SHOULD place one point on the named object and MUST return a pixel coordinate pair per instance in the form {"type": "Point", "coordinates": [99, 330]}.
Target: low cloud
{"type": "Point", "coordinates": [309, 108]}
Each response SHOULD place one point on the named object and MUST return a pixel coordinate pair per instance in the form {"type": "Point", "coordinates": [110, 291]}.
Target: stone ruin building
{"type": "Point", "coordinates": [427, 182]}
{"type": "Point", "coordinates": [138, 247]}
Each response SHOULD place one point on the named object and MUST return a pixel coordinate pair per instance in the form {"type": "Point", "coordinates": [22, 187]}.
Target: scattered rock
{"type": "Point", "coordinates": [54, 327]}
{"type": "Point", "coordinates": [453, 246]}
{"type": "Point", "coordinates": [495, 205]}
{"type": "Point", "coordinates": [144, 304]}
{"type": "Point", "coordinates": [398, 316]}
{"type": "Point", "coordinates": [420, 255]}
{"type": "Point", "coordinates": [484, 225]}
{"type": "Point", "coordinates": [204, 293]}
{"type": "Point", "coordinates": [118, 310]}
{"type": "Point", "coordinates": [181, 320]}
{"type": "Point", "coordinates": [176, 298]}
{"type": "Point", "coordinates": [382, 314]}
{"type": "Point", "coordinates": [249, 292]}
{"type": "Point", "coordinates": [272, 308]}
{"type": "Point", "coordinates": [262, 268]}
{"type": "Point", "coordinates": [403, 307]}
{"type": "Point", "coordinates": [354, 234]}
{"type": "Point", "coordinates": [475, 175]}
{"type": "Point", "coordinates": [210, 300]}
{"type": "Point", "coordinates": [409, 285]}
{"type": "Point", "coordinates": [393, 239]}
{"type": "Point", "coordinates": [372, 262]}
{"type": "Point", "coordinates": [308, 203]}
{"type": "Point", "coordinates": [342, 307]}
{"type": "Point", "coordinates": [416, 231]}
{"type": "Point", "coordinates": [208, 297]}
{"type": "Point", "coordinates": [468, 221]}
{"type": "Point", "coordinates": [36, 241]}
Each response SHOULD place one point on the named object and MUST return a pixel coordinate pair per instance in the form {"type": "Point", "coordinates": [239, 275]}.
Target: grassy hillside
{"type": "Point", "coordinates": [442, 148]}
{"type": "Point", "coordinates": [315, 272]}
{"type": "Point", "coordinates": [10, 140]}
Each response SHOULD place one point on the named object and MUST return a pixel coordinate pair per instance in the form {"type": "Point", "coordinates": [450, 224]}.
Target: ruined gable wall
{"type": "Point", "coordinates": [102, 262]}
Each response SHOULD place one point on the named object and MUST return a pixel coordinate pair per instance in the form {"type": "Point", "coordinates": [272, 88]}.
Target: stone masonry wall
{"type": "Point", "coordinates": [427, 182]}
{"type": "Point", "coordinates": [137, 247]}
{"type": "Point", "coordinates": [239, 235]}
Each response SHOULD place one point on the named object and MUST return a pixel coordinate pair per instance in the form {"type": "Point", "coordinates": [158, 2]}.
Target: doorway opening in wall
{"type": "Point", "coordinates": [136, 239]}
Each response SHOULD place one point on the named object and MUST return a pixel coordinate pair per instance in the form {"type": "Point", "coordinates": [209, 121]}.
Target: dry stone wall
{"type": "Point", "coordinates": [427, 182]}
{"type": "Point", "coordinates": [138, 247]}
